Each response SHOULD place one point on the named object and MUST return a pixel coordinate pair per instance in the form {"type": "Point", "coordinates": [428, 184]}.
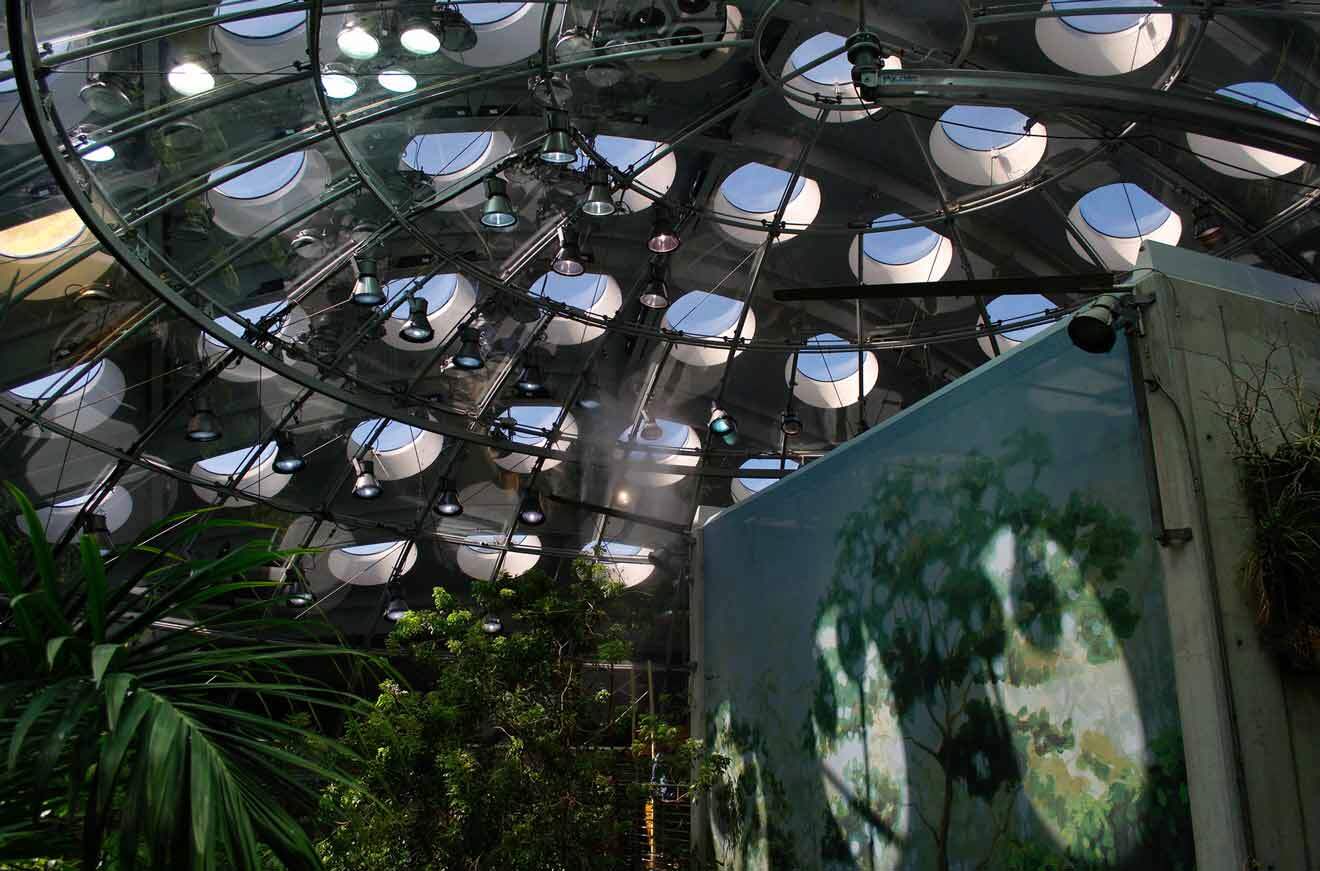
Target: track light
{"type": "Point", "coordinates": [651, 430]}
{"type": "Point", "coordinates": [287, 457]}
{"type": "Point", "coordinates": [599, 202]}
{"type": "Point", "coordinates": [96, 528]}
{"type": "Point", "coordinates": [367, 289]}
{"type": "Point", "coordinates": [355, 41]}
{"type": "Point", "coordinates": [498, 212]}
{"type": "Point", "coordinates": [1093, 328]}
{"type": "Point", "coordinates": [418, 38]}
{"type": "Point", "coordinates": [656, 292]}
{"type": "Point", "coordinates": [531, 380]}
{"type": "Point", "coordinates": [365, 485]}
{"type": "Point", "coordinates": [589, 397]}
{"type": "Point", "coordinates": [418, 330]}
{"type": "Point", "coordinates": [492, 625]}
{"type": "Point", "coordinates": [337, 81]}
{"type": "Point", "coordinates": [568, 262]}
{"type": "Point", "coordinates": [723, 425]}
{"type": "Point", "coordinates": [664, 237]}
{"type": "Point", "coordinates": [300, 595]}
{"type": "Point", "coordinates": [790, 424]}
{"type": "Point", "coordinates": [469, 349]}
{"type": "Point", "coordinates": [558, 147]}
{"type": "Point", "coordinates": [1208, 227]}
{"type": "Point", "coordinates": [447, 504]}
{"type": "Point", "coordinates": [301, 598]}
{"type": "Point", "coordinates": [456, 34]}
{"type": "Point", "coordinates": [530, 512]}
{"type": "Point", "coordinates": [191, 76]}
{"type": "Point", "coordinates": [395, 606]}
{"type": "Point", "coordinates": [202, 424]}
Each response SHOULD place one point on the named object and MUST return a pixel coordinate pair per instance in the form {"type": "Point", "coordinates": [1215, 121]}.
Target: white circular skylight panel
{"type": "Point", "coordinates": [1123, 211]}
{"type": "Point", "coordinates": [1115, 23]}
{"type": "Point", "coordinates": [262, 27]}
{"type": "Point", "coordinates": [231, 461]}
{"type": "Point", "coordinates": [835, 71]}
{"type": "Point", "coordinates": [254, 314]}
{"type": "Point", "coordinates": [590, 292]}
{"type": "Point", "coordinates": [621, 151]}
{"type": "Point", "coordinates": [488, 13]}
{"type": "Point", "coordinates": [399, 81]}
{"type": "Point", "coordinates": [48, 385]}
{"type": "Point", "coordinates": [744, 488]}
{"type": "Point", "coordinates": [91, 399]}
{"type": "Point", "coordinates": [758, 189]}
{"type": "Point", "coordinates": [1245, 161]}
{"type": "Point", "coordinates": [986, 145]}
{"type": "Point", "coordinates": [479, 562]}
{"type": "Point", "coordinates": [243, 181]}
{"type": "Point", "coordinates": [824, 364]}
{"type": "Point", "coordinates": [629, 574]}
{"type": "Point", "coordinates": [983, 128]}
{"type": "Point", "coordinates": [115, 507]}
{"type": "Point", "coordinates": [828, 378]}
{"type": "Point", "coordinates": [42, 236]}
{"type": "Point", "coordinates": [370, 565]}
{"type": "Point", "coordinates": [580, 291]}
{"type": "Point", "coordinates": [399, 451]}
{"type": "Point", "coordinates": [437, 290]}
{"type": "Point", "coordinates": [899, 247]}
{"type": "Point", "coordinates": [532, 418]}
{"type": "Point", "coordinates": [1012, 308]}
{"type": "Point", "coordinates": [625, 153]}
{"type": "Point", "coordinates": [700, 313]}
{"type": "Point", "coordinates": [1107, 44]}
{"type": "Point", "coordinates": [395, 436]}
{"type": "Point", "coordinates": [673, 435]}
{"type": "Point", "coordinates": [445, 153]}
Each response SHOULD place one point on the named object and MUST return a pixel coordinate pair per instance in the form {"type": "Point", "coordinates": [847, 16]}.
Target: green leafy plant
{"type": "Point", "coordinates": [143, 722]}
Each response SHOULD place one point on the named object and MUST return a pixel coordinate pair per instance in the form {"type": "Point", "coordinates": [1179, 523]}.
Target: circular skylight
{"type": "Point", "coordinates": [41, 236]}
{"type": "Point", "coordinates": [1123, 211]}
{"type": "Point", "coordinates": [533, 417]}
{"type": "Point", "coordinates": [1267, 96]}
{"type": "Point", "coordinates": [673, 434]}
{"type": "Point", "coordinates": [983, 128]}
{"type": "Point", "coordinates": [476, 540]}
{"type": "Point", "coordinates": [757, 188]}
{"type": "Point", "coordinates": [230, 462]}
{"type": "Point", "coordinates": [253, 314]}
{"type": "Point", "coordinates": [627, 573]}
{"type": "Point", "coordinates": [445, 153]}
{"type": "Point", "coordinates": [835, 71]}
{"type": "Point", "coordinates": [1012, 308]}
{"type": "Point", "coordinates": [244, 183]}
{"type": "Point", "coordinates": [488, 13]}
{"type": "Point", "coordinates": [48, 385]}
{"type": "Point", "coordinates": [702, 314]}
{"type": "Point", "coordinates": [756, 485]}
{"type": "Point", "coordinates": [374, 549]}
{"type": "Point", "coordinates": [437, 290]}
{"type": "Point", "coordinates": [1115, 23]}
{"type": "Point", "coordinates": [899, 247]}
{"type": "Point", "coordinates": [826, 365]}
{"type": "Point", "coordinates": [621, 151]}
{"type": "Point", "coordinates": [370, 565]}
{"type": "Point", "coordinates": [395, 436]}
{"type": "Point", "coordinates": [263, 27]}
{"type": "Point", "coordinates": [580, 291]}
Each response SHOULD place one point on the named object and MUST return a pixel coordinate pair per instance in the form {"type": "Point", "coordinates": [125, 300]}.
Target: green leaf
{"type": "Point", "coordinates": [31, 714]}
{"type": "Point", "coordinates": [116, 688]}
{"type": "Point", "coordinates": [9, 579]}
{"type": "Point", "coordinates": [94, 573]}
{"type": "Point", "coordinates": [103, 656]}
{"type": "Point", "coordinates": [41, 551]}
{"type": "Point", "coordinates": [201, 775]}
{"type": "Point", "coordinates": [121, 737]}
{"type": "Point", "coordinates": [53, 647]}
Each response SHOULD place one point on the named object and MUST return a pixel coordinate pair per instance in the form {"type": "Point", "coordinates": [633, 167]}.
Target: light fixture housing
{"type": "Point", "coordinates": [723, 425]}
{"type": "Point", "coordinates": [418, 329]}
{"type": "Point", "coordinates": [418, 37]}
{"type": "Point", "coordinates": [531, 380]}
{"type": "Point", "coordinates": [558, 148]}
{"type": "Point", "coordinates": [651, 430]}
{"type": "Point", "coordinates": [287, 457]}
{"type": "Point", "coordinates": [655, 294]}
{"type": "Point", "coordinates": [88, 149]}
{"type": "Point", "coordinates": [1208, 228]}
{"type": "Point", "coordinates": [568, 262]}
{"type": "Point", "coordinates": [367, 289]}
{"type": "Point", "coordinates": [530, 511]}
{"type": "Point", "coordinates": [108, 93]}
{"type": "Point", "coordinates": [599, 202]}
{"type": "Point", "coordinates": [202, 423]}
{"type": "Point", "coordinates": [191, 75]}
{"type": "Point", "coordinates": [356, 41]}
{"type": "Point", "coordinates": [365, 485]}
{"type": "Point", "coordinates": [790, 424]}
{"type": "Point", "coordinates": [456, 34]}
{"type": "Point", "coordinates": [97, 529]}
{"type": "Point", "coordinates": [395, 605]}
{"type": "Point", "coordinates": [468, 356]}
{"type": "Point", "coordinates": [1094, 328]}
{"type": "Point", "coordinates": [447, 504]}
{"type": "Point", "coordinates": [492, 624]}
{"type": "Point", "coordinates": [498, 213]}
{"type": "Point", "coordinates": [338, 81]}
{"type": "Point", "coordinates": [664, 236]}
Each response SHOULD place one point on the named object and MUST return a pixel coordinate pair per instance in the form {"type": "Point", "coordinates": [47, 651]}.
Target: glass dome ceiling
{"type": "Point", "coordinates": [228, 209]}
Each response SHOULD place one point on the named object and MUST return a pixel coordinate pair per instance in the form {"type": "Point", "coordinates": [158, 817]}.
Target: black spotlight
{"type": "Point", "coordinates": [589, 397]}
{"type": "Point", "coordinates": [469, 349]}
{"type": "Point", "coordinates": [447, 504]}
{"type": "Point", "coordinates": [456, 34]}
{"type": "Point", "coordinates": [723, 425]}
{"type": "Point", "coordinates": [367, 290]}
{"type": "Point", "coordinates": [202, 425]}
{"type": "Point", "coordinates": [864, 55]}
{"type": "Point", "coordinates": [1093, 328]}
{"type": "Point", "coordinates": [656, 292]}
{"type": "Point", "coordinates": [492, 625]}
{"type": "Point", "coordinates": [531, 381]}
{"type": "Point", "coordinates": [365, 485]}
{"type": "Point", "coordinates": [651, 431]}
{"type": "Point", "coordinates": [664, 238]}
{"type": "Point", "coordinates": [418, 329]}
{"type": "Point", "coordinates": [599, 203]}
{"type": "Point", "coordinates": [96, 528]}
{"type": "Point", "coordinates": [498, 213]}
{"type": "Point", "coordinates": [395, 606]}
{"type": "Point", "coordinates": [568, 262]}
{"type": "Point", "coordinates": [300, 596]}
{"type": "Point", "coordinates": [530, 512]}
{"type": "Point", "coordinates": [558, 147]}
{"type": "Point", "coordinates": [287, 458]}
{"type": "Point", "coordinates": [790, 424]}
{"type": "Point", "coordinates": [1209, 229]}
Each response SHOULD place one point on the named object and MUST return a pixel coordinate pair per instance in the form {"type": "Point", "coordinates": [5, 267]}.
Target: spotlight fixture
{"type": "Point", "coordinates": [1093, 328]}
{"type": "Point", "coordinates": [287, 457]}
{"type": "Point", "coordinates": [503, 429]}
{"type": "Point", "coordinates": [96, 528]}
{"type": "Point", "coordinates": [417, 37]}
{"type": "Point", "coordinates": [367, 289]}
{"type": "Point", "coordinates": [300, 597]}
{"type": "Point", "coordinates": [723, 425]}
{"type": "Point", "coordinates": [337, 81]}
{"type": "Point", "coordinates": [599, 202]}
{"type": "Point", "coordinates": [492, 625]}
{"type": "Point", "coordinates": [456, 34]}
{"type": "Point", "coordinates": [397, 79]}
{"type": "Point", "coordinates": [81, 136]}
{"type": "Point", "coordinates": [589, 397]}
{"type": "Point", "coordinates": [558, 146]}
{"type": "Point", "coordinates": [573, 43]}
{"type": "Point", "coordinates": [790, 424]}
{"type": "Point", "coordinates": [651, 431]}
{"type": "Point", "coordinates": [530, 512]}
{"type": "Point", "coordinates": [864, 55]}
{"type": "Point", "coordinates": [107, 93]}
{"type": "Point", "coordinates": [568, 262]}
{"type": "Point", "coordinates": [202, 425]}
{"type": "Point", "coordinates": [418, 330]}
{"type": "Point", "coordinates": [469, 349]}
{"type": "Point", "coordinates": [395, 606]}
{"type": "Point", "coordinates": [498, 212]}
{"type": "Point", "coordinates": [191, 76]}
{"type": "Point", "coordinates": [355, 41]}
{"type": "Point", "coordinates": [531, 380]}
{"type": "Point", "coordinates": [447, 504]}
{"type": "Point", "coordinates": [664, 238]}
{"type": "Point", "coordinates": [1208, 228]}
{"type": "Point", "coordinates": [656, 292]}
{"type": "Point", "coordinates": [365, 485]}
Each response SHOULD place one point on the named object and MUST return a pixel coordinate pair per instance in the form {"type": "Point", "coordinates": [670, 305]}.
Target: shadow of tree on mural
{"type": "Point", "coordinates": [965, 610]}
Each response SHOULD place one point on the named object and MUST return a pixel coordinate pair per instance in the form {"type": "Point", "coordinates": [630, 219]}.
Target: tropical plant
{"type": "Point", "coordinates": [145, 722]}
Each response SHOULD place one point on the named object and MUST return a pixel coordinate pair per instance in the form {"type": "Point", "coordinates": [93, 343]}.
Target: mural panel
{"type": "Point", "coordinates": [945, 646]}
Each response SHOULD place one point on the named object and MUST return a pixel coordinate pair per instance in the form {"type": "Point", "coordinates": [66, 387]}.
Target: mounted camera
{"type": "Point", "coordinates": [867, 59]}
